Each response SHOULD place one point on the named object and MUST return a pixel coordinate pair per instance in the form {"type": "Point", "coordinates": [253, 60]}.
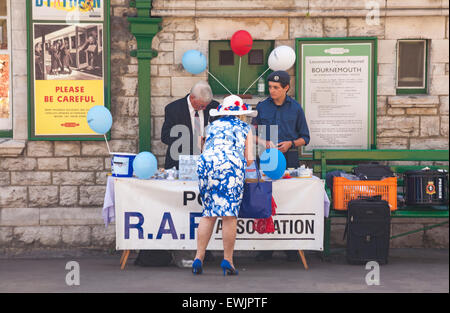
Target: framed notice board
{"type": "Point", "coordinates": [336, 86]}
{"type": "Point", "coordinates": [68, 67]}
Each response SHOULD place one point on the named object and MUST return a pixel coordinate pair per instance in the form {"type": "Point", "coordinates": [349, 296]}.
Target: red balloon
{"type": "Point", "coordinates": [241, 42]}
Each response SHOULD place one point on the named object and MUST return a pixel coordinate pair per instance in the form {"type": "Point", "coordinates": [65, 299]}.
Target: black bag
{"type": "Point", "coordinates": [153, 258]}
{"type": "Point", "coordinates": [368, 231]}
{"type": "Point", "coordinates": [330, 176]}
{"type": "Point", "coordinates": [372, 171]}
{"type": "Point", "coordinates": [339, 173]}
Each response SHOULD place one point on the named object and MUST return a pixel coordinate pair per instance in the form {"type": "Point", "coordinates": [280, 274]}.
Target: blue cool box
{"type": "Point", "coordinates": [122, 164]}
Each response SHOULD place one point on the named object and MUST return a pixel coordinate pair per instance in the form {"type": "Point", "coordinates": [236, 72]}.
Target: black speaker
{"type": "Point", "coordinates": [426, 187]}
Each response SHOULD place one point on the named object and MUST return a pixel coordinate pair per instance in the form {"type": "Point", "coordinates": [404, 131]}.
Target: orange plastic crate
{"type": "Point", "coordinates": [345, 190]}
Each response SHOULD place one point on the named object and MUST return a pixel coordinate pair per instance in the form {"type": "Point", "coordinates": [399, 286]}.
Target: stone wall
{"type": "Point", "coordinates": [403, 122]}
{"type": "Point", "coordinates": [52, 193]}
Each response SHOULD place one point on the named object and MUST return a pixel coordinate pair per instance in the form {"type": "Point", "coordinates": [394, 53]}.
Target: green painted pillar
{"type": "Point", "coordinates": [144, 28]}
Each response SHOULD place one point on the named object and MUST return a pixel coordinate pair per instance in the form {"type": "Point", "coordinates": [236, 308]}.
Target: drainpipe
{"type": "Point", "coordinates": [144, 28]}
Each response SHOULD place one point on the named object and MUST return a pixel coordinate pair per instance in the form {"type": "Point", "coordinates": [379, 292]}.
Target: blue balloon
{"type": "Point", "coordinates": [273, 163]}
{"type": "Point", "coordinates": [194, 61]}
{"type": "Point", "coordinates": [145, 165]}
{"type": "Point", "coordinates": [99, 119]}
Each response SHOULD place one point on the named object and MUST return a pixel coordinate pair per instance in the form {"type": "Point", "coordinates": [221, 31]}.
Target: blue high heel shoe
{"type": "Point", "coordinates": [197, 267]}
{"type": "Point", "coordinates": [228, 269]}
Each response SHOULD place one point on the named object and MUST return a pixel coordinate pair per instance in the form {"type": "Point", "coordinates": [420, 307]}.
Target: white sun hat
{"type": "Point", "coordinates": [233, 105]}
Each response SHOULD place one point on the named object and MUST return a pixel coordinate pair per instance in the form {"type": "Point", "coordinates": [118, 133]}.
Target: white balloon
{"type": "Point", "coordinates": [281, 58]}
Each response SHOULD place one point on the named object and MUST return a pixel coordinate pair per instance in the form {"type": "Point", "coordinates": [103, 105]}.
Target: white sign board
{"type": "Point", "coordinates": [155, 214]}
{"type": "Point", "coordinates": [336, 92]}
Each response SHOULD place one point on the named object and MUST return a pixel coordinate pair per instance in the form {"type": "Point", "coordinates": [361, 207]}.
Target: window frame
{"type": "Point", "coordinates": [7, 132]}
{"type": "Point", "coordinates": [412, 90]}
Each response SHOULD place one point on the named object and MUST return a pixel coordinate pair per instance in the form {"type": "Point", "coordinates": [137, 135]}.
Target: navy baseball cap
{"type": "Point", "coordinates": [280, 77]}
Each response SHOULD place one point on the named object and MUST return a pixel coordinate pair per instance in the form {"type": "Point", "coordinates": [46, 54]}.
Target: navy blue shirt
{"type": "Point", "coordinates": [289, 117]}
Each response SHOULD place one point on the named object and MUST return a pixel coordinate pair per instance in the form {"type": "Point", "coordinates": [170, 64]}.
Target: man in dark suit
{"type": "Point", "coordinates": [188, 115]}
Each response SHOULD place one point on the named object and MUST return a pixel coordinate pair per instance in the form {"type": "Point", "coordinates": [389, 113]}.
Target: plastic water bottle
{"type": "Point", "coordinates": [261, 87]}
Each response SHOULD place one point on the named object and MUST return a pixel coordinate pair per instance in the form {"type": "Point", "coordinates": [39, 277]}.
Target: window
{"type": "Point", "coordinates": [412, 66]}
{"type": "Point", "coordinates": [5, 70]}
{"type": "Point", "coordinates": [224, 65]}
{"type": "Point", "coordinates": [256, 57]}
{"type": "Point", "coordinates": [226, 57]}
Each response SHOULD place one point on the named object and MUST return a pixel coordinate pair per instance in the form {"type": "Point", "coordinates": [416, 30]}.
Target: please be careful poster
{"type": "Point", "coordinates": [69, 66]}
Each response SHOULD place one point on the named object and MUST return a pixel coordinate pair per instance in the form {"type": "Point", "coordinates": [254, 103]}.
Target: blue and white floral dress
{"type": "Point", "coordinates": [221, 167]}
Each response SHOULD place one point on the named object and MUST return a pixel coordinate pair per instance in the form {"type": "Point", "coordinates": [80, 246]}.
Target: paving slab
{"type": "Point", "coordinates": [408, 271]}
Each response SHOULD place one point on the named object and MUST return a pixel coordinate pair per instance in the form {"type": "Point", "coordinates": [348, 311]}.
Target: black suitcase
{"type": "Point", "coordinates": [368, 231]}
{"type": "Point", "coordinates": [372, 171]}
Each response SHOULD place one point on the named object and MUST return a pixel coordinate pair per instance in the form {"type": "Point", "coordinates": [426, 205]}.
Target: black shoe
{"type": "Point", "coordinates": [292, 256]}
{"type": "Point", "coordinates": [264, 256]}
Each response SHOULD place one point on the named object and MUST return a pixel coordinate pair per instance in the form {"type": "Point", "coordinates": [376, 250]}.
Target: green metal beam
{"type": "Point", "coordinates": [144, 28]}
{"type": "Point", "coordinates": [399, 169]}
{"type": "Point", "coordinates": [419, 230]}
{"type": "Point", "coordinates": [382, 155]}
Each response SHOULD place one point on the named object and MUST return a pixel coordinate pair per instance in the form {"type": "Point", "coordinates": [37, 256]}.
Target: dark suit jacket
{"type": "Point", "coordinates": [177, 113]}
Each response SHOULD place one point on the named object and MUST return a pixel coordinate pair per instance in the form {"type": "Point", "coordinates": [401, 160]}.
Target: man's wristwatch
{"type": "Point", "coordinates": [293, 143]}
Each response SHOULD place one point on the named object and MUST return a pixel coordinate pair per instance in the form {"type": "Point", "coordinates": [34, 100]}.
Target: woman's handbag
{"type": "Point", "coordinates": [257, 199]}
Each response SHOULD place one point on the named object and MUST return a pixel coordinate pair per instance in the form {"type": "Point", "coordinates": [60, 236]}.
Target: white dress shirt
{"type": "Point", "coordinates": [200, 114]}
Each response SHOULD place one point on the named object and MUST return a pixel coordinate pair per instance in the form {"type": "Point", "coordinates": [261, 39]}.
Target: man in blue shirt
{"type": "Point", "coordinates": [286, 113]}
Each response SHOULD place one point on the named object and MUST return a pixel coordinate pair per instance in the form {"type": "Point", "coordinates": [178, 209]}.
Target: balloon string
{"type": "Point", "coordinates": [239, 74]}
{"type": "Point", "coordinates": [107, 145]}
{"type": "Point", "coordinates": [255, 81]}
{"type": "Point", "coordinates": [219, 82]}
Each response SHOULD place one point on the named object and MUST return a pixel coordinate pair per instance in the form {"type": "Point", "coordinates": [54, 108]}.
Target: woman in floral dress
{"type": "Point", "coordinates": [221, 168]}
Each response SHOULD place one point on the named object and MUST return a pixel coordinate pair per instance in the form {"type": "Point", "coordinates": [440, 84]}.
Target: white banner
{"type": "Point", "coordinates": [157, 214]}
{"type": "Point", "coordinates": [68, 10]}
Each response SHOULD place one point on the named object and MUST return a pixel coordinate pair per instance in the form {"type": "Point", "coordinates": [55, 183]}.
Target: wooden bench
{"type": "Point", "coordinates": [331, 160]}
